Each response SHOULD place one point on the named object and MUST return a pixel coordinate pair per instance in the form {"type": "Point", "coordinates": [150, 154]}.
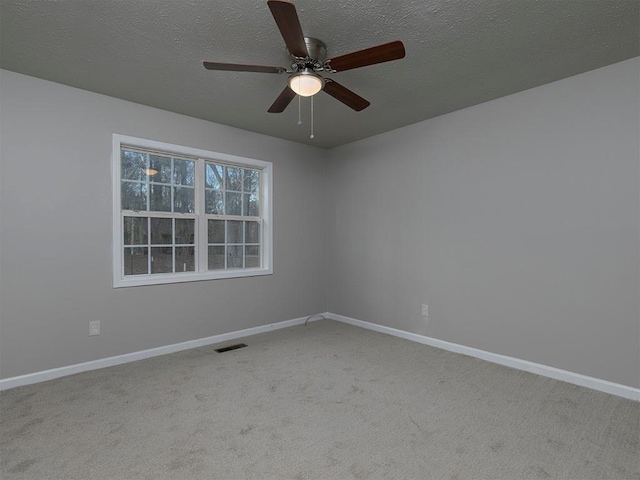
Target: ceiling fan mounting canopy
{"type": "Point", "coordinates": [309, 58]}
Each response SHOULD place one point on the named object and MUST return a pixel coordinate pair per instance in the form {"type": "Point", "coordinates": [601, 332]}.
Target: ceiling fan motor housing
{"type": "Point", "coordinates": [317, 54]}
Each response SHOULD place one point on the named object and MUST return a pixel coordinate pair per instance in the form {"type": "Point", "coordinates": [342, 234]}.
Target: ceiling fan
{"type": "Point", "coordinates": [308, 58]}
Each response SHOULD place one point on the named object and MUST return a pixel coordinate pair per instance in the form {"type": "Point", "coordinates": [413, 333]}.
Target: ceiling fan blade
{"type": "Point", "coordinates": [346, 96]}
{"type": "Point", "coordinates": [368, 56]}
{"type": "Point", "coordinates": [235, 67]}
{"type": "Point", "coordinates": [283, 100]}
{"type": "Point", "coordinates": [286, 17]}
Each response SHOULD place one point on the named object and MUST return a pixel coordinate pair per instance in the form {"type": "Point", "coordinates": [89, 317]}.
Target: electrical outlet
{"type": "Point", "coordinates": [425, 310]}
{"type": "Point", "coordinates": [94, 327]}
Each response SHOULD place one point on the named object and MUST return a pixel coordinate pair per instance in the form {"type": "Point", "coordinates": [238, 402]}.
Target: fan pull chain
{"type": "Point", "coordinates": [299, 110]}
{"type": "Point", "coordinates": [312, 135]}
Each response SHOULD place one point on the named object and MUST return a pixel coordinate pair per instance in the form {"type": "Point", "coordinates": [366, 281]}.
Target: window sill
{"type": "Point", "coordinates": [159, 279]}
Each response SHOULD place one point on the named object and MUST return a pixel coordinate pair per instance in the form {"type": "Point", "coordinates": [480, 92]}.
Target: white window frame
{"type": "Point", "coordinates": [201, 273]}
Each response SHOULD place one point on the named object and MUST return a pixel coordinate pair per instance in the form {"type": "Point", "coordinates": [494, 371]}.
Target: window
{"type": "Point", "coordinates": [182, 214]}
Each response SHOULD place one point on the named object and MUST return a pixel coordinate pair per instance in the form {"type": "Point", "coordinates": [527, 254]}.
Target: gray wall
{"type": "Point", "coordinates": [56, 232]}
{"type": "Point", "coordinates": [517, 221]}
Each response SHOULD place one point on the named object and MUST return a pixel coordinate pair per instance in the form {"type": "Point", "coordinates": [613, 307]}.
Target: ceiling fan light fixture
{"type": "Point", "coordinates": [306, 84]}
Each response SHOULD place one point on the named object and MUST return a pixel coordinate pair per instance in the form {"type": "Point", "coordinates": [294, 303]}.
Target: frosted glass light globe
{"type": "Point", "coordinates": [306, 84]}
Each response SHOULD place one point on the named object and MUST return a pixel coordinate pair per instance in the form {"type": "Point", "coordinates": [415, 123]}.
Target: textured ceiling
{"type": "Point", "coordinates": [459, 53]}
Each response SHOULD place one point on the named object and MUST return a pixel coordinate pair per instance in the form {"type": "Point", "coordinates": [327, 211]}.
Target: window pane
{"type": "Point", "coordinates": [251, 180]}
{"type": "Point", "coordinates": [162, 165]}
{"type": "Point", "coordinates": [252, 232]}
{"type": "Point", "coordinates": [134, 196]}
{"type": "Point", "coordinates": [185, 259]}
{"type": "Point", "coordinates": [233, 203]}
{"type": "Point", "coordinates": [214, 202]}
{"type": "Point", "coordinates": [250, 205]}
{"type": "Point", "coordinates": [234, 179]}
{"type": "Point", "coordinates": [135, 261]}
{"type": "Point", "coordinates": [213, 176]}
{"type": "Point", "coordinates": [234, 256]}
{"type": "Point", "coordinates": [234, 231]}
{"type": "Point", "coordinates": [161, 259]}
{"type": "Point", "coordinates": [159, 198]}
{"type": "Point", "coordinates": [135, 231]}
{"type": "Point", "coordinates": [251, 256]}
{"type": "Point", "coordinates": [158, 215]}
{"type": "Point", "coordinates": [161, 231]}
{"type": "Point", "coordinates": [183, 172]}
{"type": "Point", "coordinates": [216, 258]}
{"type": "Point", "coordinates": [185, 231]}
{"type": "Point", "coordinates": [183, 200]}
{"type": "Point", "coordinates": [216, 231]}
{"type": "Point", "coordinates": [133, 165]}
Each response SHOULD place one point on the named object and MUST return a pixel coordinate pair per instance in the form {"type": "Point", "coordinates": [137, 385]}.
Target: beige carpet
{"type": "Point", "coordinates": [326, 401]}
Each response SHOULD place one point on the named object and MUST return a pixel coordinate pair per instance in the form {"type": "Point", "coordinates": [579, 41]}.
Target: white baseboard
{"type": "Point", "coordinates": [543, 370]}
{"type": "Point", "coordinates": [45, 375]}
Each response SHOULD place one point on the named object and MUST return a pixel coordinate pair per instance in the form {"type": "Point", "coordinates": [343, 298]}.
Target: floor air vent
{"type": "Point", "coordinates": [230, 347]}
